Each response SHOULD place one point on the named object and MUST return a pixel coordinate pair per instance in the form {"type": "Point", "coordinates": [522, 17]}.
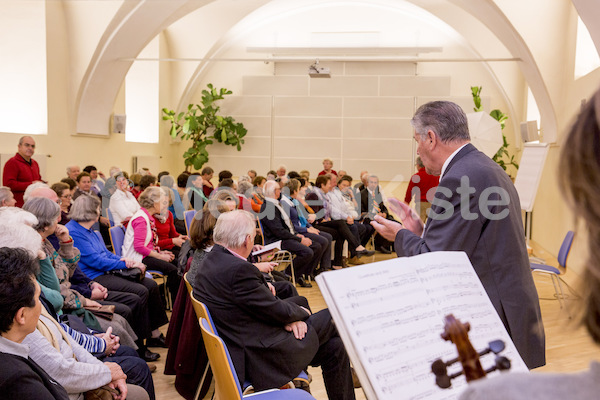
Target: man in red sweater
{"type": "Point", "coordinates": [21, 170]}
{"type": "Point", "coordinates": [419, 186]}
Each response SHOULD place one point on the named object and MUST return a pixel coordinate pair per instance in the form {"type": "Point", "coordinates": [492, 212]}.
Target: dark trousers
{"type": "Point", "coordinates": [152, 314]}
{"type": "Point", "coordinates": [379, 240]}
{"type": "Point", "coordinates": [343, 230]}
{"type": "Point", "coordinates": [167, 269]}
{"type": "Point", "coordinates": [332, 357]}
{"type": "Point", "coordinates": [324, 240]}
{"type": "Point", "coordinates": [304, 256]}
{"type": "Point", "coordinates": [134, 367]}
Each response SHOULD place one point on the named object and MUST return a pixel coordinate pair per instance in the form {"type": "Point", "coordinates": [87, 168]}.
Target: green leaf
{"type": "Point", "coordinates": [186, 126]}
{"type": "Point", "coordinates": [239, 147]}
{"type": "Point", "coordinates": [223, 135]}
{"type": "Point", "coordinates": [173, 131]}
{"type": "Point", "coordinates": [180, 116]}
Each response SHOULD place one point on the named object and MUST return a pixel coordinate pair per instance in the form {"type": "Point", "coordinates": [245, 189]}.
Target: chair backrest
{"type": "Point", "coordinates": [199, 307]}
{"type": "Point", "coordinates": [565, 247]}
{"type": "Point", "coordinates": [189, 217]}
{"type": "Point", "coordinates": [188, 285]}
{"type": "Point", "coordinates": [262, 231]}
{"type": "Point", "coordinates": [227, 385]}
{"type": "Point", "coordinates": [110, 217]}
{"type": "Point", "coordinates": [117, 237]}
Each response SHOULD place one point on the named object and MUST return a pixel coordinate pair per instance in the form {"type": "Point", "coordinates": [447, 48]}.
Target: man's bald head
{"type": "Point", "coordinates": [44, 192]}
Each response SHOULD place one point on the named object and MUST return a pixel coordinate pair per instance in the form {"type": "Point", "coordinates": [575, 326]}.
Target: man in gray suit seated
{"type": "Point", "coordinates": [476, 209]}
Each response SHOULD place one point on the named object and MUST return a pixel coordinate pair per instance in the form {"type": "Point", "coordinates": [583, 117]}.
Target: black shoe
{"type": "Point", "coordinates": [302, 283]}
{"type": "Point", "coordinates": [157, 342]}
{"type": "Point", "coordinates": [149, 356]}
{"type": "Point", "coordinates": [383, 250]}
{"type": "Point", "coordinates": [365, 252]}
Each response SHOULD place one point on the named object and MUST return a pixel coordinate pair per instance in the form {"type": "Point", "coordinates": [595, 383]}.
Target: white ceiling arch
{"type": "Point", "coordinates": [136, 24]}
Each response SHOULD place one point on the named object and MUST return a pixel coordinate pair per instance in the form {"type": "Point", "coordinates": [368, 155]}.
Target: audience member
{"type": "Point", "coordinates": [281, 171]}
{"type": "Point", "coordinates": [207, 186]}
{"type": "Point", "coordinates": [492, 237]}
{"type": "Point", "coordinates": [84, 185]}
{"type": "Point", "coordinates": [271, 175]}
{"type": "Point", "coordinates": [64, 195]}
{"type": "Point", "coordinates": [73, 171]}
{"type": "Point", "coordinates": [141, 241]}
{"type": "Point", "coordinates": [276, 225]}
{"type": "Point", "coordinates": [297, 213]}
{"type": "Point", "coordinates": [194, 194]}
{"type": "Point", "coordinates": [147, 181]}
{"type": "Point", "coordinates": [21, 170]}
{"type": "Point", "coordinates": [338, 229]}
{"type": "Point", "coordinates": [225, 174]}
{"type": "Point", "coordinates": [168, 237]}
{"type": "Point", "coordinates": [245, 312]}
{"type": "Point", "coordinates": [252, 174]}
{"type": "Point", "coordinates": [98, 178]}
{"type": "Point", "coordinates": [328, 167]}
{"type": "Point", "coordinates": [122, 203]}
{"type": "Point", "coordinates": [422, 187]}
{"type": "Point", "coordinates": [20, 376]}
{"type": "Point", "coordinates": [371, 205]}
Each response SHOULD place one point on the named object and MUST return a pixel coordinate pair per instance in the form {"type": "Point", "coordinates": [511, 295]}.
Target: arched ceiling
{"type": "Point", "coordinates": [136, 23]}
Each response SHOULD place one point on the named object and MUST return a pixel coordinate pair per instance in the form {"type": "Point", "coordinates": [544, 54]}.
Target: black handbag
{"type": "Point", "coordinates": [131, 274]}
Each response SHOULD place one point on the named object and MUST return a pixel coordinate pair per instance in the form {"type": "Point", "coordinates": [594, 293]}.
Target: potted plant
{"type": "Point", "coordinates": [202, 125]}
{"type": "Point", "coordinates": [499, 116]}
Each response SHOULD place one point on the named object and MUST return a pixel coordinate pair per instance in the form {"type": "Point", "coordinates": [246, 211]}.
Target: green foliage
{"type": "Point", "coordinates": [202, 125]}
{"type": "Point", "coordinates": [499, 116]}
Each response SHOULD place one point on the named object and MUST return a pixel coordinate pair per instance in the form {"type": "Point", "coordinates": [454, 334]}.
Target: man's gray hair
{"type": "Point", "coordinates": [5, 194]}
{"type": "Point", "coordinates": [373, 176]}
{"type": "Point", "coordinates": [45, 210]}
{"type": "Point", "coordinates": [85, 208]}
{"type": "Point", "coordinates": [445, 118]}
{"type": "Point", "coordinates": [32, 187]}
{"type": "Point", "coordinates": [149, 196]}
{"type": "Point", "coordinates": [233, 228]}
{"type": "Point", "coordinates": [244, 187]}
{"type": "Point", "coordinates": [269, 188]}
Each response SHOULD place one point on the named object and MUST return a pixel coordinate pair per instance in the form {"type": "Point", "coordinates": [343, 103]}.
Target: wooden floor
{"type": "Point", "coordinates": [568, 347]}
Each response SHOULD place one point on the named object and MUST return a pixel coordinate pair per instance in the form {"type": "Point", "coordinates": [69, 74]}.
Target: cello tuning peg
{"type": "Point", "coordinates": [502, 363]}
{"type": "Point", "coordinates": [496, 346]}
{"type": "Point", "coordinates": [439, 368]}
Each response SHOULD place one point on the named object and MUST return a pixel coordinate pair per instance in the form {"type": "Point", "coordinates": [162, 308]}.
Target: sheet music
{"type": "Point", "coordinates": [391, 312]}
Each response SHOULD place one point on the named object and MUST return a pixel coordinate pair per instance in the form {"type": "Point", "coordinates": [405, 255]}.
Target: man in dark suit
{"type": "Point", "coordinates": [371, 203]}
{"type": "Point", "coordinates": [277, 225]}
{"type": "Point", "coordinates": [475, 209]}
{"type": "Point", "coordinates": [270, 340]}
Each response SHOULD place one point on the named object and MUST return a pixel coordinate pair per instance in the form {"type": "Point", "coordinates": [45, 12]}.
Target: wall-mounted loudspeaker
{"type": "Point", "coordinates": [529, 131]}
{"type": "Point", "coordinates": [118, 123]}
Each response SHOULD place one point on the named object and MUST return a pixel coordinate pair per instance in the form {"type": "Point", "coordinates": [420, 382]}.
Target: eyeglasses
{"type": "Point", "coordinates": [67, 196]}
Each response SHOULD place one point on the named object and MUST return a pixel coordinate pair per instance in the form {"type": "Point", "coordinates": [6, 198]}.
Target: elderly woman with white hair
{"type": "Point", "coordinates": [141, 240]}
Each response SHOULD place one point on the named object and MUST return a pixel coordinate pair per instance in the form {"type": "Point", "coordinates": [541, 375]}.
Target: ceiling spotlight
{"type": "Point", "coordinates": [314, 71]}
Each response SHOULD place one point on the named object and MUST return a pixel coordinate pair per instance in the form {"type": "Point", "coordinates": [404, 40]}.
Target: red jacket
{"type": "Point", "coordinates": [18, 174]}
{"type": "Point", "coordinates": [166, 232]}
{"type": "Point", "coordinates": [425, 182]}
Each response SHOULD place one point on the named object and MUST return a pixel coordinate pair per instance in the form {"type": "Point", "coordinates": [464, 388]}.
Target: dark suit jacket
{"type": "Point", "coordinates": [273, 226]}
{"type": "Point", "coordinates": [366, 203]}
{"type": "Point", "coordinates": [496, 248]}
{"type": "Point", "coordinates": [22, 378]}
{"type": "Point", "coordinates": [251, 321]}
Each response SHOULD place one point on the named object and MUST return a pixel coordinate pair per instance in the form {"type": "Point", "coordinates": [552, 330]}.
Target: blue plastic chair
{"type": "Point", "coordinates": [189, 217]}
{"type": "Point", "coordinates": [554, 272]}
{"type": "Point", "coordinates": [117, 237]}
{"type": "Point", "coordinates": [227, 385]}
{"type": "Point", "coordinates": [110, 217]}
